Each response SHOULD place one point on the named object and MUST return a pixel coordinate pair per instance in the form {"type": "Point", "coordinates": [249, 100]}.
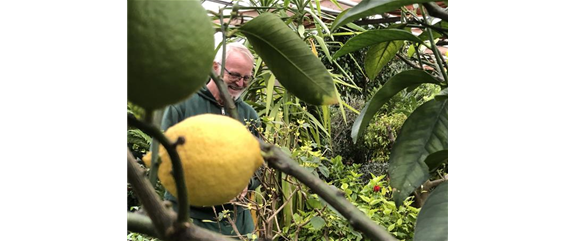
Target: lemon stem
{"type": "Point", "coordinates": [178, 176]}
{"type": "Point", "coordinates": [279, 160]}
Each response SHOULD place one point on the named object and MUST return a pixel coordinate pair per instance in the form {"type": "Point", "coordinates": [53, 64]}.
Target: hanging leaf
{"type": "Point", "coordinates": [371, 7]}
{"type": "Point", "coordinates": [373, 37]}
{"type": "Point", "coordinates": [424, 132]}
{"type": "Point", "coordinates": [434, 160]}
{"type": "Point", "coordinates": [290, 59]}
{"type": "Point", "coordinates": [390, 88]}
{"type": "Point", "coordinates": [379, 55]}
{"type": "Point", "coordinates": [432, 222]}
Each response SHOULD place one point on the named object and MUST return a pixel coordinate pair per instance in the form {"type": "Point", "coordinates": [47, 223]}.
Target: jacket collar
{"type": "Point", "coordinates": [207, 94]}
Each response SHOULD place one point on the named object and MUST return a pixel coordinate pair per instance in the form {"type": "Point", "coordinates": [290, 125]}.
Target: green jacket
{"type": "Point", "coordinates": [200, 103]}
{"type": "Point", "coordinates": [203, 102]}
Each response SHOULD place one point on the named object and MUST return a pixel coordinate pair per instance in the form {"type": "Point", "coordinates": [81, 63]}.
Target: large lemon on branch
{"type": "Point", "coordinates": [170, 51]}
{"type": "Point", "coordinates": [219, 157]}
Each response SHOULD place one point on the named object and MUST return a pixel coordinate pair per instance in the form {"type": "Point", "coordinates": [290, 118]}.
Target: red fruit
{"type": "Point", "coordinates": [377, 188]}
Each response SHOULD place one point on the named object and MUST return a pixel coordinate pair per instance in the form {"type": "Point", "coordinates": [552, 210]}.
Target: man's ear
{"type": "Point", "coordinates": [215, 66]}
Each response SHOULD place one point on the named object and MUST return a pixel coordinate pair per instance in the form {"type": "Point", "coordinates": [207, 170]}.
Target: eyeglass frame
{"type": "Point", "coordinates": [237, 76]}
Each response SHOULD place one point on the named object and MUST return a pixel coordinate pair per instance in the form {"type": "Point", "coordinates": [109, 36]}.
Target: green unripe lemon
{"type": "Point", "coordinates": [170, 51]}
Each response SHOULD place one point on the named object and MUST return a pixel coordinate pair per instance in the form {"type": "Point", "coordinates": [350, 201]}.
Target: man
{"type": "Point", "coordinates": [237, 75]}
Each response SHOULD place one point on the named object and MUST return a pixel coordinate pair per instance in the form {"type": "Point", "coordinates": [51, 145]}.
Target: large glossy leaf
{"type": "Point", "coordinates": [390, 88]}
{"type": "Point", "coordinates": [290, 59]}
{"type": "Point", "coordinates": [373, 37]}
{"type": "Point", "coordinates": [379, 55]}
{"type": "Point", "coordinates": [371, 7]}
{"type": "Point", "coordinates": [434, 160]}
{"type": "Point", "coordinates": [432, 221]}
{"type": "Point", "coordinates": [424, 132]}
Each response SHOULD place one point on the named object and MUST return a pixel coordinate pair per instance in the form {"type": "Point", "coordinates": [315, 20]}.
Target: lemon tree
{"type": "Point", "coordinates": [170, 51]}
{"type": "Point", "coordinates": [219, 157]}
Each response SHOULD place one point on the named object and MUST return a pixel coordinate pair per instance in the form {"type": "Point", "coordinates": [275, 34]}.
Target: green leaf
{"type": "Point", "coordinates": [324, 170]}
{"type": "Point", "coordinates": [317, 222]}
{"type": "Point", "coordinates": [373, 37]}
{"type": "Point", "coordinates": [379, 55]}
{"type": "Point", "coordinates": [138, 137]}
{"type": "Point", "coordinates": [336, 3]}
{"type": "Point", "coordinates": [424, 132]}
{"type": "Point", "coordinates": [442, 95]}
{"type": "Point", "coordinates": [290, 59]}
{"type": "Point", "coordinates": [434, 160]}
{"type": "Point", "coordinates": [435, 34]}
{"type": "Point", "coordinates": [323, 47]}
{"type": "Point", "coordinates": [319, 21]}
{"type": "Point", "coordinates": [269, 92]}
{"type": "Point", "coordinates": [390, 88]}
{"type": "Point", "coordinates": [314, 203]}
{"type": "Point", "coordinates": [391, 227]}
{"type": "Point", "coordinates": [365, 198]}
{"type": "Point", "coordinates": [411, 51]}
{"type": "Point", "coordinates": [432, 222]}
{"type": "Point", "coordinates": [371, 7]}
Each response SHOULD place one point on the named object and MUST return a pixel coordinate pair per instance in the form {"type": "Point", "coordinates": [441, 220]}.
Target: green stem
{"type": "Point", "coordinates": [439, 61]}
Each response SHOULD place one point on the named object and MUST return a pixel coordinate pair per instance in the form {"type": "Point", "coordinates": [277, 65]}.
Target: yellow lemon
{"type": "Point", "coordinates": [219, 157]}
{"type": "Point", "coordinates": [170, 51]}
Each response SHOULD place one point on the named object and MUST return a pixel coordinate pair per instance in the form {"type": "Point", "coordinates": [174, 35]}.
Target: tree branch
{"type": "Point", "coordinates": [141, 224]}
{"type": "Point", "coordinates": [436, 11]}
{"type": "Point", "coordinates": [358, 220]}
{"type": "Point", "coordinates": [182, 201]}
{"type": "Point", "coordinates": [159, 215]}
{"type": "Point", "coordinates": [163, 220]}
{"type": "Point", "coordinates": [228, 103]}
{"type": "Point", "coordinates": [408, 62]}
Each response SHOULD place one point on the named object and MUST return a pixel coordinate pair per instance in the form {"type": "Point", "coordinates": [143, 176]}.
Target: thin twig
{"type": "Point", "coordinates": [408, 62]}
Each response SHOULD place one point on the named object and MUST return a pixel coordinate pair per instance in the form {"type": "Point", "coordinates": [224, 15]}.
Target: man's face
{"type": "Point", "coordinates": [237, 67]}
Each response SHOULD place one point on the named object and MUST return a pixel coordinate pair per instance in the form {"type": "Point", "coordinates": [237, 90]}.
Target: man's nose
{"type": "Point", "coordinates": [240, 81]}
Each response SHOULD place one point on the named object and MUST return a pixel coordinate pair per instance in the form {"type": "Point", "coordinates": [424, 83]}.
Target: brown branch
{"type": "Point", "coordinates": [408, 62]}
{"type": "Point", "coordinates": [141, 224]}
{"type": "Point", "coordinates": [428, 185]}
{"type": "Point", "coordinates": [436, 11]}
{"type": "Point", "coordinates": [178, 176]}
{"type": "Point", "coordinates": [422, 193]}
{"type": "Point", "coordinates": [143, 189]}
{"type": "Point", "coordinates": [377, 21]}
{"type": "Point", "coordinates": [229, 105]}
{"type": "Point", "coordinates": [162, 219]}
{"type": "Point", "coordinates": [358, 220]}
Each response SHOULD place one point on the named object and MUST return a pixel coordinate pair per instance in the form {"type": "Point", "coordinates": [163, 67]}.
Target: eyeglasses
{"type": "Point", "coordinates": [236, 76]}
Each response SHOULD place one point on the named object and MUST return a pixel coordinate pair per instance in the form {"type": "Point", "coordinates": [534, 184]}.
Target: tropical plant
{"type": "Point", "coordinates": [421, 145]}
